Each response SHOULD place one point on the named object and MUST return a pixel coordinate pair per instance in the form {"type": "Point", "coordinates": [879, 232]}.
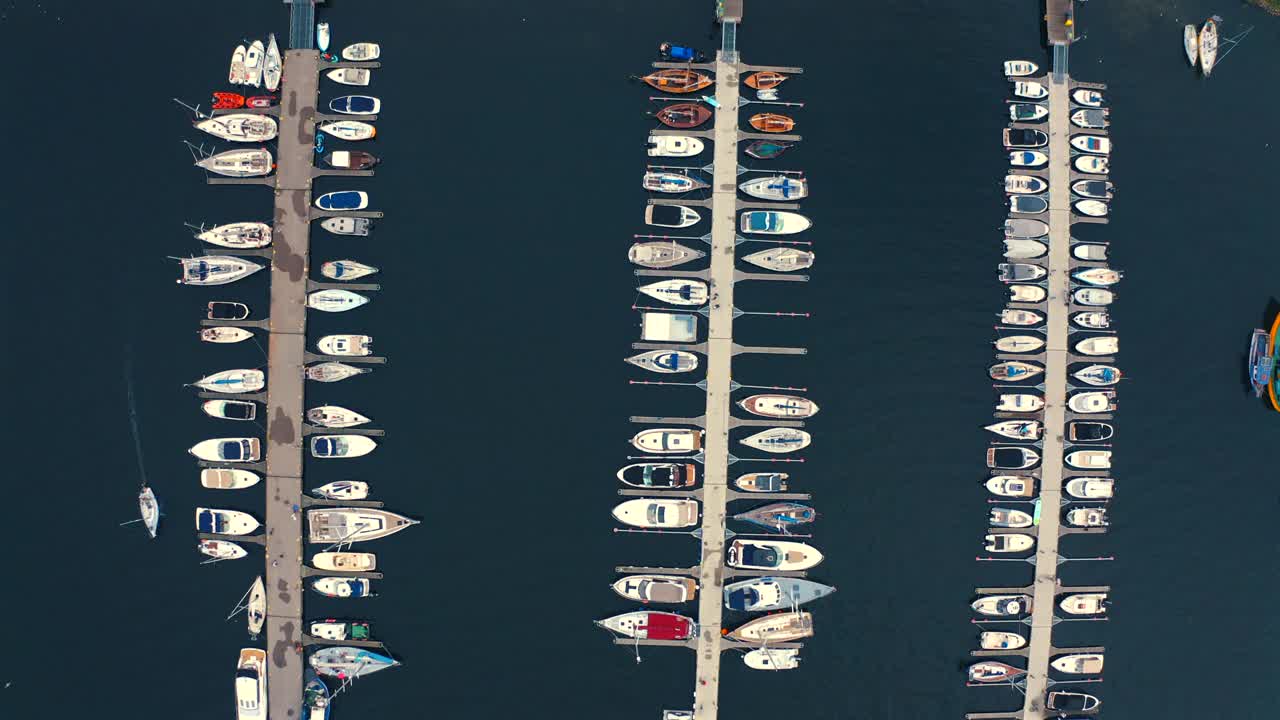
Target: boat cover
{"type": "Point", "coordinates": [681, 53]}
{"type": "Point", "coordinates": [667, 214]}
{"type": "Point", "coordinates": [341, 200]}
{"type": "Point", "coordinates": [208, 521]}
{"type": "Point", "coordinates": [743, 598]}
{"type": "Point", "coordinates": [759, 555]}
{"type": "Point", "coordinates": [661, 626]}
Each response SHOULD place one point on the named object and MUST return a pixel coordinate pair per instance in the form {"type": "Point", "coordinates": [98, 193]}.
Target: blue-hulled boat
{"type": "Point", "coordinates": [315, 695]}
{"type": "Point", "coordinates": [355, 105]}
{"type": "Point", "coordinates": [779, 516]}
{"type": "Point", "coordinates": [767, 149]}
{"type": "Point", "coordinates": [348, 662]}
{"type": "Point", "coordinates": [343, 200]}
{"type": "Point", "coordinates": [773, 593]}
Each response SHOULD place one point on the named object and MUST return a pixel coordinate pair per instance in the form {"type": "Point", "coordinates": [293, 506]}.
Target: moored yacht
{"type": "Point", "coordinates": [781, 259]}
{"type": "Point", "coordinates": [346, 269]}
{"type": "Point", "coordinates": [658, 475]}
{"type": "Point", "coordinates": [1021, 318]}
{"type": "Point", "coordinates": [360, 227]}
{"type": "Point", "coordinates": [240, 127]}
{"type": "Point", "coordinates": [348, 525]}
{"type": "Point", "coordinates": [764, 594]}
{"type": "Point", "coordinates": [1087, 517]}
{"type": "Point", "coordinates": [767, 658]}
{"type": "Point", "coordinates": [1097, 144]}
{"type": "Point", "coordinates": [1099, 189]}
{"type": "Point", "coordinates": [1095, 297]}
{"type": "Point", "coordinates": [1014, 370]}
{"type": "Point", "coordinates": [1092, 402]}
{"type": "Point", "coordinates": [342, 587]}
{"type": "Point", "coordinates": [334, 629]}
{"type": "Point", "coordinates": [350, 76]}
{"type": "Point", "coordinates": [1092, 208]}
{"type": "Point", "coordinates": [350, 160]}
{"type": "Point", "coordinates": [665, 361]}
{"type": "Point", "coordinates": [1022, 249]}
{"type": "Point", "coordinates": [355, 105]}
{"type": "Point", "coordinates": [342, 200]}
{"type": "Point", "coordinates": [228, 450]}
{"type": "Point", "coordinates": [1026, 112]}
{"type": "Point", "coordinates": [1011, 485]}
{"type": "Point", "coordinates": [762, 482]}
{"type": "Point", "coordinates": [1020, 402]}
{"type": "Point", "coordinates": [1091, 118]}
{"type": "Point", "coordinates": [233, 381]}
{"type": "Point", "coordinates": [671, 182]}
{"type": "Point", "coordinates": [341, 446]}
{"type": "Point", "coordinates": [779, 517]}
{"type": "Point", "coordinates": [1024, 184]}
{"type": "Point", "coordinates": [334, 300]}
{"type": "Point", "coordinates": [1079, 664]}
{"type": "Point", "coordinates": [677, 291]}
{"type": "Point", "coordinates": [215, 270]}
{"type": "Point", "coordinates": [1020, 272]}
{"type": "Point", "coordinates": [1099, 276]}
{"type": "Point", "coordinates": [1096, 252]}
{"type": "Point", "coordinates": [1009, 542]}
{"type": "Point", "coordinates": [335, 416]}
{"type": "Point", "coordinates": [770, 222]}
{"type": "Point", "coordinates": [1019, 343]}
{"type": "Point", "coordinates": [1024, 138]}
{"type": "Point", "coordinates": [1086, 488]}
{"type": "Point", "coordinates": [349, 130]}
{"type": "Point", "coordinates": [238, 163]}
{"type": "Point", "coordinates": [1027, 293]}
{"type": "Point", "coordinates": [1084, 431]}
{"type": "Point", "coordinates": [662, 254]}
{"type": "Point", "coordinates": [1084, 604]}
{"type": "Point", "coordinates": [674, 146]}
{"type": "Point", "coordinates": [1028, 158]}
{"type": "Point", "coordinates": [657, 513]}
{"type": "Point", "coordinates": [990, 671]}
{"type": "Point", "coordinates": [672, 216]}
{"type": "Point", "coordinates": [1025, 227]}
{"type": "Point", "coordinates": [332, 371]}
{"type": "Point", "coordinates": [1030, 90]}
{"type": "Point", "coordinates": [1064, 702]}
{"type": "Point", "coordinates": [783, 555]}
{"type": "Point", "coordinates": [345, 345]}
{"type": "Point", "coordinates": [343, 490]}
{"type": "Point", "coordinates": [1002, 605]}
{"type": "Point", "coordinates": [1011, 457]}
{"type": "Point", "coordinates": [348, 663]}
{"type": "Point", "coordinates": [1092, 164]}
{"type": "Point", "coordinates": [228, 478]}
{"type": "Point", "coordinates": [778, 187]}
{"type": "Point", "coordinates": [776, 628]}
{"type": "Point", "coordinates": [1087, 97]}
{"type": "Point", "coordinates": [1020, 68]}
{"type": "Point", "coordinates": [1099, 345]}
{"type": "Point", "coordinates": [779, 406]}
{"type": "Point", "coordinates": [1090, 460]}
{"type": "Point", "coordinates": [362, 51]}
{"type": "Point", "coordinates": [649, 625]}
{"type": "Point", "coordinates": [224, 335]}
{"type": "Point", "coordinates": [668, 441]}
{"type": "Point", "coordinates": [656, 588]}
{"type": "Point", "coordinates": [993, 640]}
{"type": "Point", "coordinates": [217, 521]}
{"type": "Point", "coordinates": [230, 409]}
{"type": "Point", "coordinates": [221, 549]}
{"type": "Point", "coordinates": [1017, 429]}
{"type": "Point", "coordinates": [778, 440]}
{"type": "Point", "coordinates": [1009, 518]}
{"type": "Point", "coordinates": [251, 684]}
{"type": "Point", "coordinates": [1100, 375]}
{"type": "Point", "coordinates": [238, 235]}
{"type": "Point", "coordinates": [1028, 204]}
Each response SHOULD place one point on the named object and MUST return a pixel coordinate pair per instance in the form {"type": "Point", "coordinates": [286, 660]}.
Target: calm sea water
{"type": "Point", "coordinates": [512, 142]}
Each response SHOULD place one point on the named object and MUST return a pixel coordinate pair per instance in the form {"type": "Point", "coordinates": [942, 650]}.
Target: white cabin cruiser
{"type": "Point", "coordinates": [674, 146]}
{"type": "Point", "coordinates": [657, 513]}
{"type": "Point", "coordinates": [346, 345]}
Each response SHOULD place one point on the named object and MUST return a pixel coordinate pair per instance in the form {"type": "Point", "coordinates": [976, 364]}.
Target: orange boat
{"type": "Point", "coordinates": [771, 123]}
{"type": "Point", "coordinates": [227, 101]}
{"type": "Point", "coordinates": [677, 80]}
{"type": "Point", "coordinates": [684, 115]}
{"type": "Point", "coordinates": [765, 80]}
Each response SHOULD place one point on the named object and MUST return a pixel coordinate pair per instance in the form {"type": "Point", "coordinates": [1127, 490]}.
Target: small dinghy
{"type": "Point", "coordinates": [1020, 249]}
{"type": "Point", "coordinates": [1020, 272]}
{"type": "Point", "coordinates": [333, 301]}
{"type": "Point", "coordinates": [1020, 68]}
{"type": "Point", "coordinates": [672, 216]}
{"type": "Point", "coordinates": [674, 146]}
{"type": "Point", "coordinates": [1028, 158]}
{"type": "Point", "coordinates": [670, 182]}
{"type": "Point", "coordinates": [1084, 604]}
{"type": "Point", "coordinates": [1020, 402]}
{"type": "Point", "coordinates": [668, 441]}
{"type": "Point", "coordinates": [233, 381]}
{"type": "Point", "coordinates": [224, 335]}
{"type": "Point", "coordinates": [1011, 458]}
{"type": "Point", "coordinates": [1025, 228]}
{"type": "Point", "coordinates": [1027, 112]}
{"type": "Point", "coordinates": [1092, 320]}
{"type": "Point", "coordinates": [1087, 97]}
{"type": "Point", "coordinates": [362, 52]}
{"type": "Point", "coordinates": [338, 587]}
{"type": "Point", "coordinates": [1080, 664]}
{"type": "Point", "coordinates": [343, 490]}
{"type": "Point", "coordinates": [1065, 703]}
{"type": "Point", "coordinates": [223, 310]}
{"type": "Point", "coordinates": [762, 482]}
{"type": "Point", "coordinates": [1092, 208]}
{"type": "Point", "coordinates": [1088, 517]}
{"type": "Point", "coordinates": [779, 406]}
{"type": "Point", "coordinates": [777, 628]}
{"type": "Point", "coordinates": [1020, 318]}
{"type": "Point", "coordinates": [657, 513]}
{"type": "Point", "coordinates": [261, 101]}
{"type": "Point", "coordinates": [1089, 459]}
{"type": "Point", "coordinates": [350, 76]}
{"type": "Point", "coordinates": [784, 555]}
{"type": "Point", "coordinates": [680, 81]}
{"type": "Point", "coordinates": [345, 561]}
{"type": "Point", "coordinates": [1208, 46]}
{"type": "Point", "coordinates": [661, 254]}
{"type": "Point", "coordinates": [1009, 518]}
{"type": "Point", "coordinates": [1095, 144]}
{"type": "Point", "coordinates": [350, 160]}
{"type": "Point", "coordinates": [677, 292]}
{"type": "Point", "coordinates": [335, 416]}
{"type": "Point", "coordinates": [1080, 431]}
{"type": "Point", "coordinates": [990, 671]}
{"type": "Point", "coordinates": [1099, 375]}
{"type": "Point", "coordinates": [683, 116]}
{"type": "Point", "coordinates": [346, 270]}
{"type": "Point", "coordinates": [350, 130]}
{"type": "Point", "coordinates": [1099, 276]}
{"type": "Point", "coordinates": [658, 475]}
{"type": "Point", "coordinates": [342, 446]}
{"type": "Point", "coordinates": [1027, 293]}
{"type": "Point", "coordinates": [343, 200]}
{"type": "Point", "coordinates": [1090, 251]}
{"type": "Point", "coordinates": [1019, 343]}
{"type": "Point", "coordinates": [1028, 204]}
{"type": "Point", "coordinates": [238, 235]}
{"type": "Point", "coordinates": [228, 479]}
{"type": "Point", "coordinates": [1024, 184]}
{"type": "Point", "coordinates": [253, 63]}
{"type": "Point", "coordinates": [230, 409]}
{"type": "Point", "coordinates": [647, 589]}
{"type": "Point", "coordinates": [993, 640]}
{"type": "Point", "coordinates": [767, 658]}
{"type": "Point", "coordinates": [767, 149]}
{"type": "Point", "coordinates": [1017, 429]}
{"type": "Point", "coordinates": [1024, 138]}
{"type": "Point", "coordinates": [1090, 488]}
{"type": "Point", "coordinates": [240, 127]}
{"type": "Point", "coordinates": [779, 516]}
{"type": "Point", "coordinates": [1092, 164]}
{"type": "Point", "coordinates": [333, 371]}
{"type": "Point", "coordinates": [334, 629]}
{"type": "Point", "coordinates": [1008, 543]}
{"type": "Point", "coordinates": [778, 440]}
{"type": "Point", "coordinates": [772, 123]}
{"type": "Point", "coordinates": [1002, 605]}
{"type": "Point", "coordinates": [1096, 297]}
{"type": "Point", "coordinates": [764, 594]}
{"type": "Point", "coordinates": [767, 222]}
{"type": "Point", "coordinates": [1098, 189]}
{"type": "Point", "coordinates": [765, 80]}
{"type": "Point", "coordinates": [1099, 345]}
{"type": "Point", "coordinates": [1011, 486]}
{"type": "Point", "coordinates": [649, 625]}
{"type": "Point", "coordinates": [781, 259]}
{"type": "Point", "coordinates": [1091, 118]}
{"type": "Point", "coordinates": [665, 361]}
{"type": "Point", "coordinates": [225, 522]}
{"type": "Point", "coordinates": [215, 270]}
{"type": "Point", "coordinates": [227, 101]}
{"type": "Point", "coordinates": [239, 74]}
{"type": "Point", "coordinates": [1030, 90]}
{"type": "Point", "coordinates": [1191, 44]}
{"type": "Point", "coordinates": [348, 663]}
{"type": "Point", "coordinates": [1092, 402]}
{"type": "Point", "coordinates": [346, 345]}
{"type": "Point", "coordinates": [239, 449]}
{"type": "Point", "coordinates": [778, 187]}
{"type": "Point", "coordinates": [348, 226]}
{"type": "Point", "coordinates": [355, 105]}
{"type": "Point", "coordinates": [221, 549]}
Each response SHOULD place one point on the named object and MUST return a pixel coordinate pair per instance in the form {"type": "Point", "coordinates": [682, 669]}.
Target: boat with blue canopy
{"type": "Point", "coordinates": [767, 149]}
{"type": "Point", "coordinates": [355, 105]}
{"type": "Point", "coordinates": [665, 361]}
{"type": "Point", "coordinates": [680, 53]}
{"type": "Point", "coordinates": [343, 200]}
{"type": "Point", "coordinates": [768, 222]}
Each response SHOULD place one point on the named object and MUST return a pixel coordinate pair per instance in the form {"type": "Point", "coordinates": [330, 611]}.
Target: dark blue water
{"type": "Point", "coordinates": [512, 141]}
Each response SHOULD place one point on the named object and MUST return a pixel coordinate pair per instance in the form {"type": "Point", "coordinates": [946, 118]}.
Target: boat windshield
{"type": "Point", "coordinates": [743, 598]}
{"type": "Point", "coordinates": [233, 450]}
{"type": "Point", "coordinates": [657, 514]}
{"type": "Point", "coordinates": [760, 556]}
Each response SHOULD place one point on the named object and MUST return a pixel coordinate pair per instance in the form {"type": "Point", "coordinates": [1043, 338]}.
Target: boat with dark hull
{"type": "Point", "coordinates": [767, 149]}
{"type": "Point", "coordinates": [762, 482]}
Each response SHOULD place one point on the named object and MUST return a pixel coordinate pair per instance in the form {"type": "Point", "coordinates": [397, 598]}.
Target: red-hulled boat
{"type": "Point", "coordinates": [227, 101]}
{"type": "Point", "coordinates": [677, 80]}
{"type": "Point", "coordinates": [772, 123]}
{"type": "Point", "coordinates": [648, 625]}
{"type": "Point", "coordinates": [261, 101]}
{"type": "Point", "coordinates": [684, 115]}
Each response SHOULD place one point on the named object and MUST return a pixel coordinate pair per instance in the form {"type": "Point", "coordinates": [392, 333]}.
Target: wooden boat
{"type": "Point", "coordinates": [1020, 402]}
{"type": "Point", "coordinates": [677, 291]}
{"type": "Point", "coordinates": [665, 361]}
{"type": "Point", "coordinates": [993, 640]}
{"type": "Point", "coordinates": [767, 149]}
{"type": "Point", "coordinates": [343, 490]}
{"type": "Point", "coordinates": [1010, 518]}
{"type": "Point", "coordinates": [1016, 429]}
{"type": "Point", "coordinates": [345, 561]}
{"type": "Point", "coordinates": [781, 259]}
{"type": "Point", "coordinates": [779, 516]}
{"type": "Point", "coordinates": [762, 482]}
{"type": "Point", "coordinates": [777, 628]}
{"type": "Point", "coordinates": [1011, 457]}
{"type": "Point", "coordinates": [228, 478]}
{"type": "Point", "coordinates": [765, 80]}
{"type": "Point", "coordinates": [333, 371]}
{"type": "Point", "coordinates": [1002, 605]}
{"type": "Point", "coordinates": [778, 440]}
{"type": "Point", "coordinates": [684, 115]}
{"type": "Point", "coordinates": [779, 406]}
{"type": "Point", "coordinates": [661, 254]}
{"type": "Point", "coordinates": [1011, 485]}
{"type": "Point", "coordinates": [1079, 664]}
{"type": "Point", "coordinates": [772, 123]}
{"type": "Point", "coordinates": [1014, 370]}
{"type": "Point", "coordinates": [990, 671]}
{"type": "Point", "coordinates": [1011, 316]}
{"type": "Point", "coordinates": [1098, 375]}
{"type": "Point", "coordinates": [656, 588]}
{"type": "Point", "coordinates": [350, 160]}
{"type": "Point", "coordinates": [1087, 97]}
{"type": "Point", "coordinates": [227, 101]}
{"type": "Point", "coordinates": [658, 475]}
{"type": "Point", "coordinates": [224, 335]}
{"type": "Point", "coordinates": [1084, 604]}
{"type": "Point", "coordinates": [657, 513]}
{"type": "Point", "coordinates": [677, 80]}
{"type": "Point", "coordinates": [1008, 542]}
{"type": "Point", "coordinates": [1208, 46]}
{"type": "Point", "coordinates": [666, 441]}
{"type": "Point", "coordinates": [650, 625]}
{"type": "Point", "coordinates": [346, 269]}
{"type": "Point", "coordinates": [1019, 68]}
{"type": "Point", "coordinates": [1099, 345]}
{"type": "Point", "coordinates": [1191, 44]}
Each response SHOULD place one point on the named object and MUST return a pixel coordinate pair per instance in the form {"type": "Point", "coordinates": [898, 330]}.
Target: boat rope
{"type": "Point", "coordinates": [133, 412]}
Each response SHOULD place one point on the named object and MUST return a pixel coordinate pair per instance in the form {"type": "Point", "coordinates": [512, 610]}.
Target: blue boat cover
{"type": "Point", "coordinates": [679, 52]}
{"type": "Point", "coordinates": [742, 598]}
{"type": "Point", "coordinates": [231, 450]}
{"type": "Point", "coordinates": [759, 556]}
{"type": "Point", "coordinates": [341, 200]}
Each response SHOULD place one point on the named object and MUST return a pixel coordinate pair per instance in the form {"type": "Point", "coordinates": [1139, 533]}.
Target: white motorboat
{"type": "Point", "coordinates": [1087, 97]}
{"type": "Point", "coordinates": [1091, 118]}
{"type": "Point", "coordinates": [240, 449]}
{"type": "Point", "coordinates": [334, 301]}
{"type": "Point", "coordinates": [672, 216]}
{"type": "Point", "coordinates": [346, 269]}
{"type": "Point", "coordinates": [1030, 90]}
{"type": "Point", "coordinates": [1096, 144]}
{"type": "Point", "coordinates": [781, 259]}
{"type": "Point", "coordinates": [322, 37]}
{"type": "Point", "coordinates": [351, 525]}
{"type": "Point", "coordinates": [779, 406]}
{"type": "Point", "coordinates": [230, 409]}
{"type": "Point", "coordinates": [1014, 370]}
{"type": "Point", "coordinates": [665, 361]}
{"type": "Point", "coordinates": [1089, 459]}
{"type": "Point", "coordinates": [1086, 488]}
{"type": "Point", "coordinates": [778, 440]}
{"type": "Point", "coordinates": [349, 130]}
{"type": "Point", "coordinates": [345, 345]}
{"type": "Point", "coordinates": [251, 684]}
{"type": "Point", "coordinates": [656, 588]}
{"type": "Point", "coordinates": [345, 561]}
{"type": "Point", "coordinates": [1099, 345]}
{"type": "Point", "coordinates": [271, 65]}
{"type": "Point", "coordinates": [149, 510]}
{"type": "Point", "coordinates": [1028, 158]}
{"type": "Point", "coordinates": [233, 381]}
{"type": "Point", "coordinates": [780, 555]}
{"type": "Point", "coordinates": [208, 270]}
{"type": "Point", "coordinates": [666, 441]}
{"type": "Point", "coordinates": [343, 490]}
{"type": "Point", "coordinates": [1020, 68]}
{"type": "Point", "coordinates": [1028, 204]}
{"type": "Point", "coordinates": [1093, 297]}
{"type": "Point", "coordinates": [1092, 320]}
{"type": "Point", "coordinates": [657, 513]}
{"type": "Point", "coordinates": [996, 640]}
{"type": "Point", "coordinates": [362, 51]}
{"type": "Point", "coordinates": [1020, 249]}
{"type": "Point", "coordinates": [343, 225]}
{"type": "Point", "coordinates": [773, 222]}
{"type": "Point", "coordinates": [1087, 517]}
{"type": "Point", "coordinates": [677, 291]}
{"type": "Point", "coordinates": [1092, 208]}
{"type": "Point", "coordinates": [767, 658]}
{"type": "Point", "coordinates": [238, 235]}
{"type": "Point", "coordinates": [1099, 276]}
{"type": "Point", "coordinates": [777, 187]}
{"type": "Point", "coordinates": [1095, 252]}
{"type": "Point", "coordinates": [1024, 185]}
{"type": "Point", "coordinates": [1009, 518]}
{"type": "Point", "coordinates": [225, 522]}
{"type": "Point", "coordinates": [776, 628]}
{"type": "Point", "coordinates": [228, 479]}
{"type": "Point", "coordinates": [1099, 375]}
{"type": "Point", "coordinates": [224, 335]}
{"type": "Point", "coordinates": [1208, 46]}
{"type": "Point", "coordinates": [1021, 318]}
{"type": "Point", "coordinates": [1020, 272]}
{"type": "Point", "coordinates": [674, 146]}
{"type": "Point", "coordinates": [341, 446]}
{"type": "Point", "coordinates": [1008, 542]}
{"type": "Point", "coordinates": [1191, 44]}
{"type": "Point", "coordinates": [1020, 402]}
{"type": "Point", "coordinates": [1092, 164]}
{"type": "Point", "coordinates": [253, 63]}
{"type": "Point", "coordinates": [1024, 138]}
{"type": "Point", "coordinates": [1019, 343]}
{"type": "Point", "coordinates": [1011, 485]}
{"type": "Point", "coordinates": [1027, 112]}
{"type": "Point", "coordinates": [1084, 604]}
{"type": "Point", "coordinates": [1079, 664]}
{"type": "Point", "coordinates": [328, 372]}
{"type": "Point", "coordinates": [1027, 293]}
{"type": "Point", "coordinates": [671, 182]}
{"type": "Point", "coordinates": [1092, 402]}
{"type": "Point", "coordinates": [238, 74]}
{"type": "Point", "coordinates": [343, 587]}
{"type": "Point", "coordinates": [662, 254]}
{"type": "Point", "coordinates": [1017, 429]}
{"type": "Point", "coordinates": [335, 416]}
{"type": "Point", "coordinates": [656, 475]}
{"type": "Point", "coordinates": [221, 549]}
{"type": "Point", "coordinates": [1002, 605]}
{"type": "Point", "coordinates": [350, 76]}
